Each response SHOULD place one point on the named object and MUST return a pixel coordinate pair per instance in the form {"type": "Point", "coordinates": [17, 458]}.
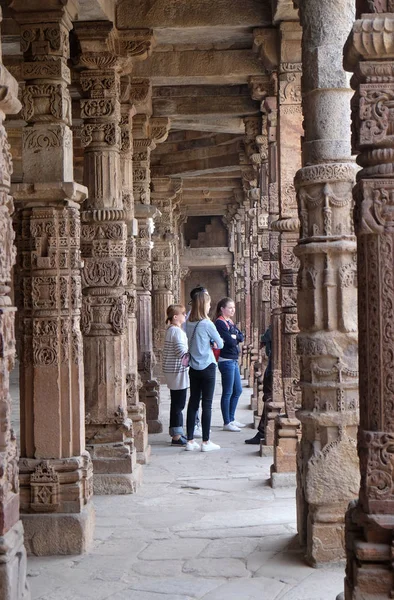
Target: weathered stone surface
{"type": "Point", "coordinates": [181, 15]}
{"type": "Point", "coordinates": [369, 521]}
{"type": "Point", "coordinates": [327, 459]}
{"type": "Point", "coordinates": [54, 534]}
{"type": "Point", "coordinates": [55, 470]}
{"type": "Point", "coordinates": [226, 67]}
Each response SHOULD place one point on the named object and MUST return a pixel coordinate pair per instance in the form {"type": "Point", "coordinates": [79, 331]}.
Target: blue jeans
{"type": "Point", "coordinates": [232, 388]}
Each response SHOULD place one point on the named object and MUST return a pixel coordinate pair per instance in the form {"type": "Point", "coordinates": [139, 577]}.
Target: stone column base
{"type": "Point", "coordinates": [115, 469]}
{"type": "Point", "coordinates": [286, 442]}
{"type": "Point", "coordinates": [150, 396]}
{"type": "Point", "coordinates": [369, 544]}
{"type": "Point", "coordinates": [107, 484]}
{"type": "Point", "coordinates": [266, 450]}
{"type": "Point", "coordinates": [143, 458]}
{"type": "Point", "coordinates": [13, 585]}
{"type": "Point", "coordinates": [59, 533]}
{"type": "Point", "coordinates": [140, 432]}
{"type": "Point", "coordinates": [282, 479]}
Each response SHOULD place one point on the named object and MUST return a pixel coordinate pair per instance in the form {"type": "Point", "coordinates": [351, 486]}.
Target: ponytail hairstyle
{"type": "Point", "coordinates": [199, 306]}
{"type": "Point", "coordinates": [174, 309]}
{"type": "Point", "coordinates": [222, 304]}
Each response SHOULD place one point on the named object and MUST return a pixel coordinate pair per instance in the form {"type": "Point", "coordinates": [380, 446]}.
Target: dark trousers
{"type": "Point", "coordinates": [267, 396]}
{"type": "Point", "coordinates": [178, 401]}
{"type": "Point", "coordinates": [202, 385]}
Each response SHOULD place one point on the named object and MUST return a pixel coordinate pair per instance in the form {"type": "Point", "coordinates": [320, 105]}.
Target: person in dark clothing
{"type": "Point", "coordinates": [265, 341]}
{"type": "Point", "coordinates": [228, 363]}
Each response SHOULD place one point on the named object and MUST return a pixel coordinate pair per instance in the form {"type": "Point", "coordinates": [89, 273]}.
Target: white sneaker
{"type": "Point", "coordinates": [198, 432]}
{"type": "Point", "coordinates": [208, 446]}
{"type": "Point", "coordinates": [231, 427]}
{"type": "Point", "coordinates": [238, 424]}
{"type": "Point", "coordinates": [190, 446]}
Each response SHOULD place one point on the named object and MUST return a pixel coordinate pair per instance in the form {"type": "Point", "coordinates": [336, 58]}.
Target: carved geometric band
{"type": "Point", "coordinates": [292, 224]}
{"type": "Point", "coordinates": [105, 214]}
{"type": "Point", "coordinates": [325, 173]}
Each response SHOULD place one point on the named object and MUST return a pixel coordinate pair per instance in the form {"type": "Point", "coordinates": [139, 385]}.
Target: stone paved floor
{"type": "Point", "coordinates": [203, 526]}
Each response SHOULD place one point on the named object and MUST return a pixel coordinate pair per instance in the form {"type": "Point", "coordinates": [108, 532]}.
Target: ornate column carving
{"type": "Point", "coordinates": [328, 476]}
{"type": "Point", "coordinates": [289, 144]}
{"type": "Point", "coordinates": [253, 142]}
{"type": "Point", "coordinates": [163, 258]}
{"type": "Point", "coordinates": [147, 133]}
{"type": "Point", "coordinates": [55, 469]}
{"type": "Point", "coordinates": [109, 430]}
{"type": "Point", "coordinates": [260, 87]}
{"type": "Point", "coordinates": [12, 552]}
{"type": "Point", "coordinates": [274, 404]}
{"type": "Point", "coordinates": [370, 521]}
{"type": "Point", "coordinates": [136, 409]}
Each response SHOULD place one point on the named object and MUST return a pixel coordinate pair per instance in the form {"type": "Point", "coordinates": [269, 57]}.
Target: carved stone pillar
{"type": "Point", "coordinates": [370, 521]}
{"type": "Point", "coordinates": [109, 430]}
{"type": "Point", "coordinates": [136, 409]}
{"type": "Point", "coordinates": [13, 584]}
{"type": "Point", "coordinates": [162, 197]}
{"type": "Point", "coordinates": [254, 150]}
{"type": "Point", "coordinates": [55, 469]}
{"type": "Point", "coordinates": [328, 476]}
{"type": "Point", "coordinates": [274, 405]}
{"type": "Point", "coordinates": [147, 133]}
{"type": "Point", "coordinates": [289, 143]}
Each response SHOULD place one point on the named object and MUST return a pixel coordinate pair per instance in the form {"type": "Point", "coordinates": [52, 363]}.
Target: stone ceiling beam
{"type": "Point", "coordinates": [223, 185]}
{"type": "Point", "coordinates": [200, 153]}
{"type": "Point", "coordinates": [171, 146]}
{"type": "Point", "coordinates": [210, 124]}
{"type": "Point", "coordinates": [283, 10]}
{"type": "Point", "coordinates": [185, 14]}
{"type": "Point", "coordinates": [218, 67]}
{"type": "Point", "coordinates": [210, 105]}
{"type": "Point", "coordinates": [97, 10]}
{"type": "Point", "coordinates": [194, 168]}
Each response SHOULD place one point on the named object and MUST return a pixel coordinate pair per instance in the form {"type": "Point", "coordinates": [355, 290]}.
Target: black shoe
{"type": "Point", "coordinates": [181, 442]}
{"type": "Point", "coordinates": [255, 440]}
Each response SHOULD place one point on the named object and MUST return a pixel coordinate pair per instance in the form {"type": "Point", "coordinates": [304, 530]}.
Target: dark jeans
{"type": "Point", "coordinates": [232, 389]}
{"type": "Point", "coordinates": [202, 385]}
{"type": "Point", "coordinates": [178, 401]}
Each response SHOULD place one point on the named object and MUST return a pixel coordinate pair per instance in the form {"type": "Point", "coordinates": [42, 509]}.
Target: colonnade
{"type": "Point", "coordinates": [97, 262]}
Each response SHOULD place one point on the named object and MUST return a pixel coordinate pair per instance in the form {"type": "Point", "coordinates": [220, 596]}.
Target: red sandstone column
{"type": "Point", "coordinates": [163, 197]}
{"type": "Point", "coordinates": [328, 476]}
{"type": "Point", "coordinates": [55, 469]}
{"type": "Point", "coordinates": [130, 99]}
{"type": "Point", "coordinates": [289, 144]}
{"type": "Point", "coordinates": [13, 584]}
{"type": "Point", "coordinates": [109, 430]}
{"type": "Point", "coordinates": [369, 54]}
{"type": "Point", "coordinates": [147, 133]}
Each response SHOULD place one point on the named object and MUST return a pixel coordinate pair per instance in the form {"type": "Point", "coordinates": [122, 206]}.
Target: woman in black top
{"type": "Point", "coordinates": [228, 363]}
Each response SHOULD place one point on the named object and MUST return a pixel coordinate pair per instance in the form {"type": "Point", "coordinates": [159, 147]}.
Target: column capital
{"type": "Point", "coordinates": [103, 46]}
{"type": "Point", "coordinates": [370, 39]}
{"type": "Point", "coordinates": [266, 43]}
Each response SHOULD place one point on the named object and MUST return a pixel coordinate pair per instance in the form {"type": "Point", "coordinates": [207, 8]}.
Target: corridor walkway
{"type": "Point", "coordinates": [203, 526]}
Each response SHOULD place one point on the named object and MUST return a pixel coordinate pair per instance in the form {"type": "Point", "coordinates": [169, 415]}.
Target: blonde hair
{"type": "Point", "coordinates": [199, 306]}
{"type": "Point", "coordinates": [174, 309]}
